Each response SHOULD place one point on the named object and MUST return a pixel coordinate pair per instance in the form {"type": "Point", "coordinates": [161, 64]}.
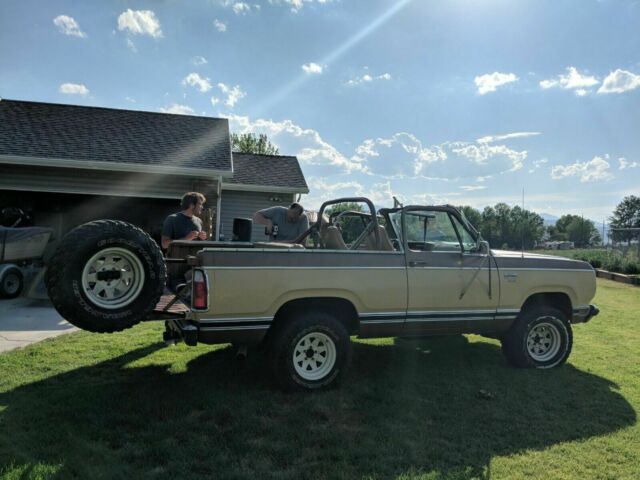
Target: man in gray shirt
{"type": "Point", "coordinates": [283, 224]}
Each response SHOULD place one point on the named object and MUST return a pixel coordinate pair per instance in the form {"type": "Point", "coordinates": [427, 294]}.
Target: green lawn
{"type": "Point", "coordinates": [93, 406]}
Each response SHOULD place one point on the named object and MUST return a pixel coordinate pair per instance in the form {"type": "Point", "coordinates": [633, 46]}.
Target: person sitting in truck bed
{"type": "Point", "coordinates": [283, 224]}
{"type": "Point", "coordinates": [185, 225]}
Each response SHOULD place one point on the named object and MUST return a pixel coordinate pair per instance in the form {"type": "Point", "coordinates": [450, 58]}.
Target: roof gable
{"type": "Point", "coordinates": [279, 172]}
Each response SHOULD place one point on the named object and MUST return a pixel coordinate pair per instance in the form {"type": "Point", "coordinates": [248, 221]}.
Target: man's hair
{"type": "Point", "coordinates": [191, 198]}
{"type": "Point", "coordinates": [297, 206]}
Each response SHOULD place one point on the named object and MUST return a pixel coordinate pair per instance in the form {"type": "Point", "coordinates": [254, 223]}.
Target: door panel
{"type": "Point", "coordinates": [448, 288]}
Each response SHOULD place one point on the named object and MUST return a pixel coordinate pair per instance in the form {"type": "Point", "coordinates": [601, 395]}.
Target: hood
{"type": "Point", "coordinates": [511, 259]}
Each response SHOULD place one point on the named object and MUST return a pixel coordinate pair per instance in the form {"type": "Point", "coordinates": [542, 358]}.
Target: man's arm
{"type": "Point", "coordinates": [263, 217]}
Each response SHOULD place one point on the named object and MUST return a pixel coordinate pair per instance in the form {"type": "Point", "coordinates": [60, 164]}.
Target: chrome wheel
{"type": "Point", "coordinates": [543, 342]}
{"type": "Point", "coordinates": [113, 278]}
{"type": "Point", "coordinates": [314, 356]}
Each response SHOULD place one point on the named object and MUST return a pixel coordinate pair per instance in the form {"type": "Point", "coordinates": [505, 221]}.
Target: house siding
{"type": "Point", "coordinates": [244, 205]}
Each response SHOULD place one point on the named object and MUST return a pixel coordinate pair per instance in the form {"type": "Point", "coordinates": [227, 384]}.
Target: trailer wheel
{"type": "Point", "coordinates": [11, 283]}
{"type": "Point", "coordinates": [106, 276]}
{"type": "Point", "coordinates": [310, 352]}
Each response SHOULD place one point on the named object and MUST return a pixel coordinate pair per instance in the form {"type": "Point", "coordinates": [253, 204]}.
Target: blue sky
{"type": "Point", "coordinates": [463, 102]}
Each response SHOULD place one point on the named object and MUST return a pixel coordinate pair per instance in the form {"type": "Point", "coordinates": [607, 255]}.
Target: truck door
{"type": "Point", "coordinates": [451, 286]}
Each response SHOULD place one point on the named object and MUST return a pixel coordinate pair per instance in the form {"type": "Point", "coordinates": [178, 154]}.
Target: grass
{"type": "Point", "coordinates": [123, 406]}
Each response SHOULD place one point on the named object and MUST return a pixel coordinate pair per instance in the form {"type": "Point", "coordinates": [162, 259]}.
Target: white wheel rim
{"type": "Point", "coordinates": [314, 356]}
{"type": "Point", "coordinates": [113, 278]}
{"type": "Point", "coordinates": [543, 342]}
{"type": "Point", "coordinates": [11, 283]}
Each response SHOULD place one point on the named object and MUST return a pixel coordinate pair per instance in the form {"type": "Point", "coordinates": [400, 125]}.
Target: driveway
{"type": "Point", "coordinates": [24, 321]}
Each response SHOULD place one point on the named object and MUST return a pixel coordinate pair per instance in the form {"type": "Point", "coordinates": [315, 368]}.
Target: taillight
{"type": "Point", "coordinates": [200, 291]}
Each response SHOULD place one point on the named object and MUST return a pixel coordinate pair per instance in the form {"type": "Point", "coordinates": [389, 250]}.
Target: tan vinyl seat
{"type": "Point", "coordinates": [332, 238]}
{"type": "Point", "coordinates": [384, 243]}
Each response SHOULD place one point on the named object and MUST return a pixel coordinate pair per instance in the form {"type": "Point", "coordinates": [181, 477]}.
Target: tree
{"type": "Point", "coordinates": [249, 143]}
{"type": "Point", "coordinates": [506, 227]}
{"type": "Point", "coordinates": [472, 215]}
{"type": "Point", "coordinates": [626, 215]}
{"type": "Point", "coordinates": [351, 226]}
{"type": "Point", "coordinates": [574, 228]}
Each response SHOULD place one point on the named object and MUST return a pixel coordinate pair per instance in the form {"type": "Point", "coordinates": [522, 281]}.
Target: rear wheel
{"type": "Point", "coordinates": [311, 351]}
{"type": "Point", "coordinates": [106, 276]}
{"type": "Point", "coordinates": [11, 283]}
{"type": "Point", "coordinates": [540, 338]}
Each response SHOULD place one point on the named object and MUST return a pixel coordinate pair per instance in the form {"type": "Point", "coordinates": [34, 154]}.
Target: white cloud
{"type": "Point", "coordinates": [140, 22]}
{"type": "Point", "coordinates": [296, 5]}
{"type": "Point", "coordinates": [539, 163]}
{"type": "Point", "coordinates": [214, 101]}
{"type": "Point", "coordinates": [508, 136]}
{"type": "Point", "coordinates": [472, 188]}
{"type": "Point", "coordinates": [131, 45]}
{"type": "Point", "coordinates": [241, 8]}
{"type": "Point", "coordinates": [572, 80]}
{"type": "Point", "coordinates": [73, 89]}
{"type": "Point", "coordinates": [219, 25]}
{"type": "Point", "coordinates": [596, 169]}
{"type": "Point", "coordinates": [194, 80]}
{"type": "Point", "coordinates": [619, 81]}
{"type": "Point", "coordinates": [234, 94]}
{"type": "Point", "coordinates": [314, 152]}
{"type": "Point", "coordinates": [491, 81]}
{"type": "Point", "coordinates": [482, 153]}
{"type": "Point", "coordinates": [366, 78]}
{"type": "Point", "coordinates": [624, 163]}
{"type": "Point", "coordinates": [198, 60]}
{"type": "Point", "coordinates": [312, 68]}
{"type": "Point", "coordinates": [179, 109]}
{"type": "Point", "coordinates": [68, 26]}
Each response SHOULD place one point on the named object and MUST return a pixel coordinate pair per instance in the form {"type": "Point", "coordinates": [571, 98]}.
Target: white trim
{"type": "Point", "coordinates": [113, 166]}
{"type": "Point", "coordinates": [218, 329]}
{"type": "Point", "coordinates": [376, 322]}
{"type": "Point", "coordinates": [218, 208]}
{"type": "Point", "coordinates": [263, 188]}
{"type": "Point", "coordinates": [276, 267]}
{"type": "Point", "coordinates": [448, 319]}
{"type": "Point", "coordinates": [235, 319]}
{"type": "Point", "coordinates": [81, 191]}
{"type": "Point", "coordinates": [381, 314]}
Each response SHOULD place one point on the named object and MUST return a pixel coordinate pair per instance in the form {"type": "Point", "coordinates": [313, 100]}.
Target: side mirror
{"type": "Point", "coordinates": [483, 247]}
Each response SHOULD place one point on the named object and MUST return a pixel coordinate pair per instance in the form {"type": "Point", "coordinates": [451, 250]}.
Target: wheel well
{"type": "Point", "coordinates": [342, 309]}
{"type": "Point", "coordinates": [561, 301]}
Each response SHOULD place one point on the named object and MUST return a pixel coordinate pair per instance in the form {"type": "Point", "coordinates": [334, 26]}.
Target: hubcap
{"type": "Point", "coordinates": [314, 356]}
{"type": "Point", "coordinates": [543, 341]}
{"type": "Point", "coordinates": [113, 278]}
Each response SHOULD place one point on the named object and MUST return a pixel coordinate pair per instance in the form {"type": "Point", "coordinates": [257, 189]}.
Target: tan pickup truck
{"type": "Point", "coordinates": [408, 271]}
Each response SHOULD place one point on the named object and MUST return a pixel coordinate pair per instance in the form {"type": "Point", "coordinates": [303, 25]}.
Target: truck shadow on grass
{"type": "Point", "coordinates": [439, 406]}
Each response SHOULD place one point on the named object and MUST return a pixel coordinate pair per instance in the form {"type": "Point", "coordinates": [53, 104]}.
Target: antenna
{"type": "Point", "coordinates": [522, 222]}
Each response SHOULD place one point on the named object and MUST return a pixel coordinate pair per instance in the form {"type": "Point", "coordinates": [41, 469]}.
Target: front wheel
{"type": "Point", "coordinates": [311, 351]}
{"type": "Point", "coordinates": [540, 338]}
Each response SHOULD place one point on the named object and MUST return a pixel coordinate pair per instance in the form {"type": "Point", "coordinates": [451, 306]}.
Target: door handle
{"type": "Point", "coordinates": [417, 264]}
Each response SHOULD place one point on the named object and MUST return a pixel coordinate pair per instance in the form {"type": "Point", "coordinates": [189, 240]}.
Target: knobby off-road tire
{"type": "Point", "coordinates": [540, 338]}
{"type": "Point", "coordinates": [310, 351]}
{"type": "Point", "coordinates": [11, 283]}
{"type": "Point", "coordinates": [106, 276]}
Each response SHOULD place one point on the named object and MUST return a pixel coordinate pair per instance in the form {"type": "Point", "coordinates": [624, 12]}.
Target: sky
{"type": "Point", "coordinates": [432, 101]}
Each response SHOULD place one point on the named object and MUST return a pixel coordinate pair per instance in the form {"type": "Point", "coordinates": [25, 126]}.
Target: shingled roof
{"type": "Point", "coordinates": [278, 172]}
{"type": "Point", "coordinates": [114, 138]}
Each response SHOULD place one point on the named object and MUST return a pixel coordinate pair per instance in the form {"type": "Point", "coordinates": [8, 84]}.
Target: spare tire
{"type": "Point", "coordinates": [106, 276]}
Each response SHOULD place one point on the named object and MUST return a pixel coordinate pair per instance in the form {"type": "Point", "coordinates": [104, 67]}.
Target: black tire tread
{"type": "Point", "coordinates": [67, 249]}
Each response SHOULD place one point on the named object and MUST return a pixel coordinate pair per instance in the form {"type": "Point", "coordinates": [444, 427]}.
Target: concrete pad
{"type": "Point", "coordinates": [24, 321]}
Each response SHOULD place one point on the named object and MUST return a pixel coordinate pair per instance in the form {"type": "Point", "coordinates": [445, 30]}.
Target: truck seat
{"type": "Point", "coordinates": [332, 239]}
{"type": "Point", "coordinates": [384, 243]}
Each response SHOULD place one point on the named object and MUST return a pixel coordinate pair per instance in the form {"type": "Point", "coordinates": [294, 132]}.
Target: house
{"type": "Point", "coordinates": [68, 164]}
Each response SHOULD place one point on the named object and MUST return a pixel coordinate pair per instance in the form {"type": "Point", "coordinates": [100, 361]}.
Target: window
{"type": "Point", "coordinates": [431, 231]}
{"type": "Point", "coordinates": [468, 242]}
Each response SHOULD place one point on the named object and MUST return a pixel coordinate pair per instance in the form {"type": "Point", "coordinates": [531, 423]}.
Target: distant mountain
{"type": "Point", "coordinates": [549, 219]}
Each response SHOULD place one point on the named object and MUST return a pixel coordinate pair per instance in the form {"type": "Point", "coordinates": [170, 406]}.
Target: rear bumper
{"type": "Point", "coordinates": [181, 330]}
{"type": "Point", "coordinates": [584, 314]}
